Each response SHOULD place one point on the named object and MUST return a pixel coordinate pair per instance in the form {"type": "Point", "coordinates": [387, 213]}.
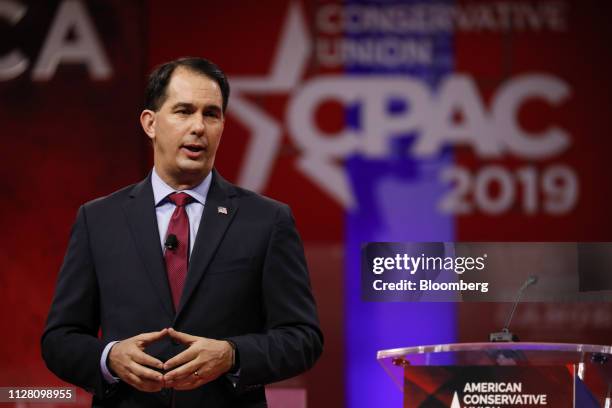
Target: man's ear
{"type": "Point", "coordinates": [147, 121]}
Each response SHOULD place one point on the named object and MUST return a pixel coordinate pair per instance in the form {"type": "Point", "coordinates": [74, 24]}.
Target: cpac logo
{"type": "Point", "coordinates": [83, 47]}
{"type": "Point", "coordinates": [491, 133]}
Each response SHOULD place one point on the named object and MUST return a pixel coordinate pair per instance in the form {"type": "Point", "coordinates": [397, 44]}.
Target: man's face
{"type": "Point", "coordinates": [187, 128]}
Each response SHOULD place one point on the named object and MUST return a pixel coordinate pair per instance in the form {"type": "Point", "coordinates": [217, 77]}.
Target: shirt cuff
{"type": "Point", "coordinates": [108, 377]}
{"type": "Point", "coordinates": [234, 373]}
{"type": "Point", "coordinates": [234, 378]}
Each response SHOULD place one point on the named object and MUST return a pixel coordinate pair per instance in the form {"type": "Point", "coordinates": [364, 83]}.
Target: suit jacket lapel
{"type": "Point", "coordinates": [219, 211]}
{"type": "Point", "coordinates": [141, 217]}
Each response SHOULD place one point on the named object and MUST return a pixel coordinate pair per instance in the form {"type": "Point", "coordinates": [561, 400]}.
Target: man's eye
{"type": "Point", "coordinates": [212, 114]}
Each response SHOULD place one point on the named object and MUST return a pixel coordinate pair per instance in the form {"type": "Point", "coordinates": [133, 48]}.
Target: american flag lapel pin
{"type": "Point", "coordinates": [222, 210]}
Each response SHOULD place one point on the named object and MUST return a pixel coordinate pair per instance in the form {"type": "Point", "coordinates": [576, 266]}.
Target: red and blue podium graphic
{"type": "Point", "coordinates": [501, 375]}
{"type": "Point", "coordinates": [479, 387]}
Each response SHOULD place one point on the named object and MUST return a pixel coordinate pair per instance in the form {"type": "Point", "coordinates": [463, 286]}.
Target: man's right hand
{"type": "Point", "coordinates": [129, 362]}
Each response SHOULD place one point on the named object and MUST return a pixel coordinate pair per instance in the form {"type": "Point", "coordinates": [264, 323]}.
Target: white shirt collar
{"type": "Point", "coordinates": [161, 190]}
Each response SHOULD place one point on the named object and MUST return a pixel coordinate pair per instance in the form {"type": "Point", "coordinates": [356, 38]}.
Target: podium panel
{"type": "Point", "coordinates": [502, 375]}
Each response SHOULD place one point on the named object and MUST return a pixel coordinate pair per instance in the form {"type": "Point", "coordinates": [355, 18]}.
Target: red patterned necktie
{"type": "Point", "coordinates": [177, 251]}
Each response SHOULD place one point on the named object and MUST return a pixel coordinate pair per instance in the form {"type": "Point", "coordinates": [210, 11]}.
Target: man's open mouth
{"type": "Point", "coordinates": [194, 148]}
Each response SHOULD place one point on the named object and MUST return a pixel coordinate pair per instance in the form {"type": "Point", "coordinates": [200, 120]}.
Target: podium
{"type": "Point", "coordinates": [485, 374]}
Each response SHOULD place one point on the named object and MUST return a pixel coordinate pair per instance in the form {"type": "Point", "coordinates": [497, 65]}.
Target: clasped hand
{"type": "Point", "coordinates": [204, 360]}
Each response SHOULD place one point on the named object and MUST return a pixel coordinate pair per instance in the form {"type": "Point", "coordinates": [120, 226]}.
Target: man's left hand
{"type": "Point", "coordinates": [203, 361]}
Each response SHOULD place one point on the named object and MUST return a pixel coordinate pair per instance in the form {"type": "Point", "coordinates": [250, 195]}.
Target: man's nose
{"type": "Point", "coordinates": [198, 126]}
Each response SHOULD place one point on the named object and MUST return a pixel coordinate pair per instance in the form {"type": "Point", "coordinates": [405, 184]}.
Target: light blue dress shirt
{"type": "Point", "coordinates": [163, 211]}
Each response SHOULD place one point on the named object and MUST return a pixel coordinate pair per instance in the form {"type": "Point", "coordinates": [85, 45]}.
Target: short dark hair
{"type": "Point", "coordinates": [155, 93]}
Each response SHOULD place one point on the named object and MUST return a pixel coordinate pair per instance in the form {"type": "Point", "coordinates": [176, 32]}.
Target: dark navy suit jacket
{"type": "Point", "coordinates": [247, 282]}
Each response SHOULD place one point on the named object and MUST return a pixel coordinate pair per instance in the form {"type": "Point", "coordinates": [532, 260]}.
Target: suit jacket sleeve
{"type": "Point", "coordinates": [292, 340]}
{"type": "Point", "coordinates": [70, 345]}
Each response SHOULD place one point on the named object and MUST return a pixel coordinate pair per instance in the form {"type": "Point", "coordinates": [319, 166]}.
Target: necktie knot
{"type": "Point", "coordinates": [180, 199]}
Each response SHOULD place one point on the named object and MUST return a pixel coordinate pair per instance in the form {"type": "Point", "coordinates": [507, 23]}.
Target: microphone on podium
{"type": "Point", "coordinates": [506, 335]}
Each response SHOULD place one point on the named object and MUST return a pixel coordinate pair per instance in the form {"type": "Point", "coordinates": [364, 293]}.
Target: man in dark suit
{"type": "Point", "coordinates": [199, 288]}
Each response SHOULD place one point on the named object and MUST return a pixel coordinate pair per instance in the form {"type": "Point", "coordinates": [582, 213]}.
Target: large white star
{"type": "Point", "coordinates": [287, 70]}
{"type": "Point", "coordinates": [290, 61]}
